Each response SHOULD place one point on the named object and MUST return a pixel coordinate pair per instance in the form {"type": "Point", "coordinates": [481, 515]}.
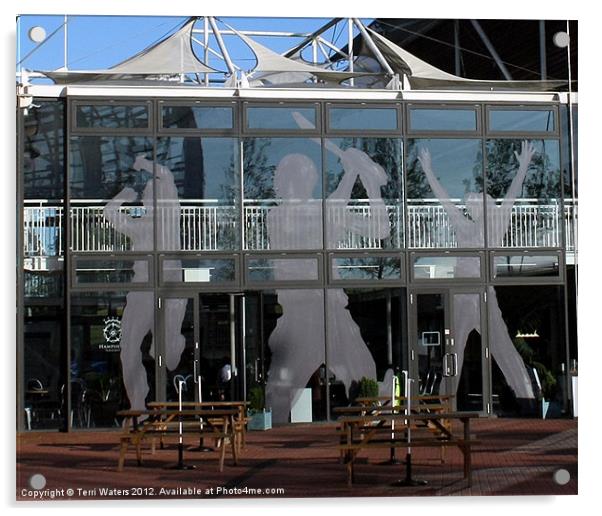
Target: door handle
{"type": "Point", "coordinates": [455, 364]}
{"type": "Point", "coordinates": [257, 374]}
{"type": "Point", "coordinates": [196, 377]}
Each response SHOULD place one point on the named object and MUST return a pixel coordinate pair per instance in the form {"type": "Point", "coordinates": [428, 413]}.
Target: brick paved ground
{"type": "Point", "coordinates": [517, 456]}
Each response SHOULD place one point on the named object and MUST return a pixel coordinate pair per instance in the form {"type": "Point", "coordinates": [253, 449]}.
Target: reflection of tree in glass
{"type": "Point", "coordinates": [543, 177]}
{"type": "Point", "coordinates": [258, 174]}
{"type": "Point", "coordinates": [386, 152]}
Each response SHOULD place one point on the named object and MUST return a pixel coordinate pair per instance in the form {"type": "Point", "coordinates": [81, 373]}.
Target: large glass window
{"type": "Point", "coordinates": [198, 270]}
{"type": "Point", "coordinates": [43, 265]}
{"type": "Point", "coordinates": [363, 119]}
{"type": "Point", "coordinates": [111, 270]}
{"type": "Point", "coordinates": [522, 120]}
{"type": "Point", "coordinates": [523, 193]}
{"type": "Point", "coordinates": [111, 187]}
{"type": "Point", "coordinates": [445, 193]}
{"type": "Point", "coordinates": [364, 341]}
{"type": "Point", "coordinates": [366, 268]}
{"type": "Point", "coordinates": [432, 119]}
{"type": "Point", "coordinates": [526, 266]}
{"type": "Point", "coordinates": [197, 194]}
{"type": "Point", "coordinates": [282, 117]}
{"type": "Point", "coordinates": [43, 352]}
{"type": "Point", "coordinates": [282, 193]}
{"type": "Point", "coordinates": [446, 267]}
{"type": "Point", "coordinates": [293, 326]}
{"type": "Point", "coordinates": [526, 336]}
{"type": "Point", "coordinates": [111, 116]}
{"type": "Point", "coordinates": [112, 355]}
{"type": "Point", "coordinates": [261, 270]}
{"type": "Point", "coordinates": [364, 195]}
{"type": "Point", "coordinates": [197, 117]}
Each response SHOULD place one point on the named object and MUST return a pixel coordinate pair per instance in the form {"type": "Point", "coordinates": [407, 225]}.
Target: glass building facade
{"type": "Point", "coordinates": [308, 244]}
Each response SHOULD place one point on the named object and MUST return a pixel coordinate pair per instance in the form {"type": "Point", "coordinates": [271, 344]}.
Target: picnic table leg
{"type": "Point", "coordinates": [222, 452]}
{"type": "Point", "coordinates": [139, 450]}
{"type": "Point", "coordinates": [122, 451]}
{"type": "Point", "coordinates": [234, 440]}
{"type": "Point", "coordinates": [467, 452]}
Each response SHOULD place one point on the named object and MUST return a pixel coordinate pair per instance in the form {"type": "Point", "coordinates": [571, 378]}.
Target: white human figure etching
{"type": "Point", "coordinates": [138, 314]}
{"type": "Point", "coordinates": [469, 234]}
{"type": "Point", "coordinates": [297, 342]}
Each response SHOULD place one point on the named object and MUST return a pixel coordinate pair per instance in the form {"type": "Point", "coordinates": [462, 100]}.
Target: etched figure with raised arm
{"type": "Point", "coordinates": [469, 230]}
{"type": "Point", "coordinates": [297, 342]}
{"type": "Point", "coordinates": [138, 315]}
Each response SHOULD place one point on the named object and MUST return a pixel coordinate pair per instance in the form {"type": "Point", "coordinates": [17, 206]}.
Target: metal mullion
{"type": "Point", "coordinates": [66, 373]}
{"type": "Point", "coordinates": [20, 273]}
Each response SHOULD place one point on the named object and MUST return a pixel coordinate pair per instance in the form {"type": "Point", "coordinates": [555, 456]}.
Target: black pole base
{"type": "Point", "coordinates": [391, 462]}
{"type": "Point", "coordinates": [408, 481]}
{"type": "Point", "coordinates": [180, 465]}
{"type": "Point", "coordinates": [201, 449]}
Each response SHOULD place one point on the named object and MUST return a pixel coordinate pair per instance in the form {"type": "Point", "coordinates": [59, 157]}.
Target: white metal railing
{"type": "Point", "coordinates": [214, 227]}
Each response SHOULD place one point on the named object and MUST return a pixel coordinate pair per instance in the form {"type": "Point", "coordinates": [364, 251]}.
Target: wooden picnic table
{"type": "Point", "coordinates": [218, 424]}
{"type": "Point", "coordinates": [359, 432]}
{"type": "Point", "coordinates": [240, 421]}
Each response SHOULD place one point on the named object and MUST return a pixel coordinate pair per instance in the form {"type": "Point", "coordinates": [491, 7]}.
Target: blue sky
{"type": "Point", "coordinates": [96, 42]}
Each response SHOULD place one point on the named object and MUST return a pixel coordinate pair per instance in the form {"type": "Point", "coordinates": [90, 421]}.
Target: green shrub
{"type": "Point", "coordinates": [368, 388]}
{"type": "Point", "coordinates": [256, 399]}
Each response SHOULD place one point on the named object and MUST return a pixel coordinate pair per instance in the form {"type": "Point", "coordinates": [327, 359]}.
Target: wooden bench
{"type": "Point", "coordinates": [422, 404]}
{"type": "Point", "coordinates": [240, 421]}
{"type": "Point", "coordinates": [375, 431]}
{"type": "Point", "coordinates": [216, 424]}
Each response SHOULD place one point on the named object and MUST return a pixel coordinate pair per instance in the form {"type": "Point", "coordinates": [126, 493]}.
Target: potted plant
{"type": "Point", "coordinates": [368, 388]}
{"type": "Point", "coordinates": [260, 418]}
{"type": "Point", "coordinates": [548, 387]}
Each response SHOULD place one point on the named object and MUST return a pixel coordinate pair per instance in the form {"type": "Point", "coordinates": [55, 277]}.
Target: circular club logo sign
{"type": "Point", "coordinates": [112, 334]}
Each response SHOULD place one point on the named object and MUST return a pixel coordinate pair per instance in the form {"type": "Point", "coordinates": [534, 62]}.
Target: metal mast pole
{"type": "Point", "coordinates": [206, 46]}
{"type": "Point", "coordinates": [350, 46]}
{"type": "Point", "coordinates": [65, 43]}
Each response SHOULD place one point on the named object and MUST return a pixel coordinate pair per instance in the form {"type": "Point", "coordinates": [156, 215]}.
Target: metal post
{"type": "Point", "coordinates": [350, 47]}
{"type": "Point", "coordinates": [373, 48]}
{"type": "Point", "coordinates": [572, 154]}
{"type": "Point", "coordinates": [19, 67]}
{"type": "Point", "coordinates": [457, 54]}
{"type": "Point", "coordinates": [491, 49]}
{"type": "Point", "coordinates": [206, 47]}
{"type": "Point", "coordinates": [542, 50]}
{"type": "Point", "coordinates": [65, 43]}
{"type": "Point", "coordinates": [222, 46]}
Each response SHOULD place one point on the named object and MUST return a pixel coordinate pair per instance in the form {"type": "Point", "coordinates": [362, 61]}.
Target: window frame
{"type": "Point", "coordinates": [332, 132]}
{"type": "Point", "coordinates": [444, 133]}
{"type": "Point", "coordinates": [522, 134]}
{"type": "Point", "coordinates": [247, 131]}
{"type": "Point", "coordinates": [167, 131]}
{"type": "Point", "coordinates": [412, 255]}
{"type": "Point", "coordinates": [74, 129]}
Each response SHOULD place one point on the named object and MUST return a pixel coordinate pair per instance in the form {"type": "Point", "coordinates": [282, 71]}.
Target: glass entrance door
{"type": "Point", "coordinates": [431, 361]}
{"type": "Point", "coordinates": [447, 351]}
{"type": "Point", "coordinates": [177, 360]}
{"type": "Point", "coordinates": [211, 345]}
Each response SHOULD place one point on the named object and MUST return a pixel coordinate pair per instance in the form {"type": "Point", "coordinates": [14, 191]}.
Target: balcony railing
{"type": "Point", "coordinates": [214, 227]}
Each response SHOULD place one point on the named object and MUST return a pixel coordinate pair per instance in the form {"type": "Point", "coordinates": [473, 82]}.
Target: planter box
{"type": "Point", "coordinates": [545, 406]}
{"type": "Point", "coordinates": [260, 420]}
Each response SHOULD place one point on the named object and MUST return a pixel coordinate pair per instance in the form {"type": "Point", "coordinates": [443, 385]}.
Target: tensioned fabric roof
{"type": "Point", "coordinates": [422, 75]}
{"type": "Point", "coordinates": [174, 56]}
